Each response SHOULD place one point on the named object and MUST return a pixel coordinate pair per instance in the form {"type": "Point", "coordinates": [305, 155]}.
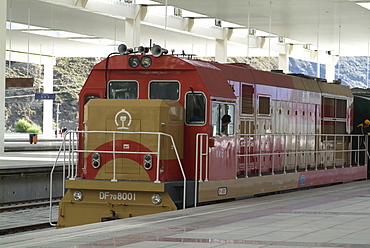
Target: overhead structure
{"type": "Point", "coordinates": [37, 31]}
{"type": "Point", "coordinates": [94, 27]}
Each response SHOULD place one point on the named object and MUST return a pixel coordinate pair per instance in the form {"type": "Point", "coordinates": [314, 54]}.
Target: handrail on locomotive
{"type": "Point", "coordinates": [350, 143]}
{"type": "Point", "coordinates": [70, 157]}
{"type": "Point", "coordinates": [334, 146]}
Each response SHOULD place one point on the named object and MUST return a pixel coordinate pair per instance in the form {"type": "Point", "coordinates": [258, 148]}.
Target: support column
{"type": "Point", "coordinates": [221, 51]}
{"type": "Point", "coordinates": [284, 62]}
{"type": "Point", "coordinates": [330, 68]}
{"type": "Point", "coordinates": [3, 10]}
{"type": "Point", "coordinates": [132, 29]}
{"type": "Point", "coordinates": [330, 72]}
{"type": "Point", "coordinates": [284, 58]}
{"type": "Point", "coordinates": [48, 104]}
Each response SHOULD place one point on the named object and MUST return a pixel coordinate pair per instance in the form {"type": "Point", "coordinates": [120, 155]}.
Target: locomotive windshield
{"type": "Point", "coordinates": [165, 90]}
{"type": "Point", "coordinates": [122, 90]}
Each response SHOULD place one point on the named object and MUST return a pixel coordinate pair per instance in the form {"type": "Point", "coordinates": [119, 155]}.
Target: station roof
{"type": "Point", "coordinates": [95, 27]}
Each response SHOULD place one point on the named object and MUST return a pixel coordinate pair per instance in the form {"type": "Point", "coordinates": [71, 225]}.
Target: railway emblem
{"type": "Point", "coordinates": [123, 119]}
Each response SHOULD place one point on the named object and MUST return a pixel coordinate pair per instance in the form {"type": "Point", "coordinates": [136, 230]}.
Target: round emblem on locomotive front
{"type": "Point", "coordinates": [123, 119]}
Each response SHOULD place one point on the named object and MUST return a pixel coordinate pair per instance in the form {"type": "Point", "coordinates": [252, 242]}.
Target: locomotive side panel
{"type": "Point", "coordinates": [293, 134]}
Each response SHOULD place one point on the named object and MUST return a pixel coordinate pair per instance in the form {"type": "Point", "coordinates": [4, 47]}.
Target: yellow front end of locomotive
{"type": "Point", "coordinates": [89, 202]}
{"type": "Point", "coordinates": [127, 154]}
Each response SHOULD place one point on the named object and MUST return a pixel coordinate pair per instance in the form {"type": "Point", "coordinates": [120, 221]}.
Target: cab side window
{"type": "Point", "coordinates": [91, 96]}
{"type": "Point", "coordinates": [223, 119]}
{"type": "Point", "coordinates": [195, 108]}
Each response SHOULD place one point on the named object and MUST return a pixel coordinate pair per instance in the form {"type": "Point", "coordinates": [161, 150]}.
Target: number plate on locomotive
{"type": "Point", "coordinates": [120, 196]}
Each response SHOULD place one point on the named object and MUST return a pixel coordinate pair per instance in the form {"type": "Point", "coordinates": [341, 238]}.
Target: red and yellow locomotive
{"type": "Point", "coordinates": [160, 132]}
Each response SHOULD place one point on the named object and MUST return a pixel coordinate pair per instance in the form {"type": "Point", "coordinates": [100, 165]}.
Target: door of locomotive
{"type": "Point", "coordinates": [246, 146]}
{"type": "Point", "coordinates": [222, 154]}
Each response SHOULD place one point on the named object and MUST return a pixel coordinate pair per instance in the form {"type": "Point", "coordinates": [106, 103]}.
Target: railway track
{"type": "Point", "coordinates": [24, 211]}
{"type": "Point", "coordinates": [12, 206]}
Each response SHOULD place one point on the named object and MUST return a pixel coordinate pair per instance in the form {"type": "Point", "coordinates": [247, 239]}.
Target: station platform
{"type": "Point", "coordinates": [25, 169]}
{"type": "Point", "coordinates": [333, 216]}
{"type": "Point", "coordinates": [18, 142]}
{"type": "Point", "coordinates": [19, 153]}
{"type": "Point", "coordinates": [28, 159]}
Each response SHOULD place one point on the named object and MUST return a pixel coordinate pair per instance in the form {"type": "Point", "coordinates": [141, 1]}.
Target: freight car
{"type": "Point", "coordinates": [160, 132]}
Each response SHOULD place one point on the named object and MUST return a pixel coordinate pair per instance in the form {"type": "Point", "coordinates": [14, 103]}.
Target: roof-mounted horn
{"type": "Point", "coordinates": [157, 50]}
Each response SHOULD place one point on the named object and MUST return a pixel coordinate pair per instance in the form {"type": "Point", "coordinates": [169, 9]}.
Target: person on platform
{"type": "Point", "coordinates": [360, 142]}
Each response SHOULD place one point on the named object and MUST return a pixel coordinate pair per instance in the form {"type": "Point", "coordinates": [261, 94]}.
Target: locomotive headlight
{"type": "Point", "coordinates": [95, 160]}
{"type": "Point", "coordinates": [146, 61]}
{"type": "Point", "coordinates": [156, 199]}
{"type": "Point", "coordinates": [134, 61]}
{"type": "Point", "coordinates": [148, 161]}
{"type": "Point", "coordinates": [78, 196]}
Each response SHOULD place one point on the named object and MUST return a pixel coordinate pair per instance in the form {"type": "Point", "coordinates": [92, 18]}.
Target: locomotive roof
{"type": "Point", "coordinates": [215, 76]}
{"type": "Point", "coordinates": [247, 74]}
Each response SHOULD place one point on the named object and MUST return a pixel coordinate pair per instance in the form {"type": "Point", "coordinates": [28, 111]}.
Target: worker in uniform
{"type": "Point", "coordinates": [361, 143]}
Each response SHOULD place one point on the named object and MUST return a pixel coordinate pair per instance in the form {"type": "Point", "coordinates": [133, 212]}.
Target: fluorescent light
{"type": "Point", "coordinates": [57, 34]}
{"type": "Point", "coordinates": [366, 5]}
{"type": "Point", "coordinates": [98, 41]}
{"type": "Point", "coordinates": [145, 2]}
{"type": "Point", "coordinates": [186, 13]}
{"type": "Point", "coordinates": [20, 26]}
{"type": "Point", "coordinates": [60, 34]}
{"type": "Point", "coordinates": [231, 25]}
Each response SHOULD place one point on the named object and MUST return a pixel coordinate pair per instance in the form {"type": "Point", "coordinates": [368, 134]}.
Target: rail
{"type": "Point", "coordinates": [71, 153]}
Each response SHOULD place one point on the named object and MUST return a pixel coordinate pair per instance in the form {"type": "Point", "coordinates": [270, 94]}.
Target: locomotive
{"type": "Point", "coordinates": [160, 132]}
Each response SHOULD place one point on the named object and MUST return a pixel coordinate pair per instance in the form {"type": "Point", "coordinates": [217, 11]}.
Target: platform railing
{"type": "Point", "coordinates": [71, 155]}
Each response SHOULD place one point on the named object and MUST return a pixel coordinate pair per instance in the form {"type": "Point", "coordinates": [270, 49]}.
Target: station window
{"type": "Point", "coordinates": [164, 90]}
{"type": "Point", "coordinates": [122, 90]}
{"type": "Point", "coordinates": [91, 96]}
{"type": "Point", "coordinates": [222, 118]}
{"type": "Point", "coordinates": [247, 99]}
{"type": "Point", "coordinates": [195, 108]}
